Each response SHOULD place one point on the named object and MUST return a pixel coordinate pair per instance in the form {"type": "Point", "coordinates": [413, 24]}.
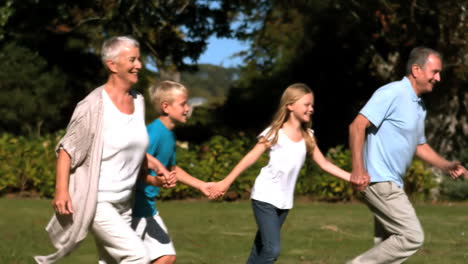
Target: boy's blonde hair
{"type": "Point", "coordinates": [165, 91]}
{"type": "Point", "coordinates": [293, 93]}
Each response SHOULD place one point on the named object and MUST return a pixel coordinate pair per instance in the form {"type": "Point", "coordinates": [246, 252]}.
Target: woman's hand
{"type": "Point", "coordinates": [62, 203]}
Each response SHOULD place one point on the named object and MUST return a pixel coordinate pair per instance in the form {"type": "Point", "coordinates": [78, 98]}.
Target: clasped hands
{"type": "Point", "coordinates": [212, 190]}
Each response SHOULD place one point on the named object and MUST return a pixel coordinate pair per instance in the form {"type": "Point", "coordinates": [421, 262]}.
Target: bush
{"type": "Point", "coordinates": [28, 164]}
{"type": "Point", "coordinates": [322, 186]}
{"type": "Point", "coordinates": [419, 181]}
{"type": "Point", "coordinates": [455, 189]}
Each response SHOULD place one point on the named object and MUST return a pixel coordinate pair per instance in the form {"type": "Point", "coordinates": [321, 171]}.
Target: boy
{"type": "Point", "coordinates": [170, 102]}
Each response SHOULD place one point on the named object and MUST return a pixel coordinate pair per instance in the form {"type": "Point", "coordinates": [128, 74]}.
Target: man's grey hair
{"type": "Point", "coordinates": [419, 57]}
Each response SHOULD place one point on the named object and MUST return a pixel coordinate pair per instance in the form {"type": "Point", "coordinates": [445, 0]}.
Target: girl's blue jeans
{"type": "Point", "coordinates": [266, 247]}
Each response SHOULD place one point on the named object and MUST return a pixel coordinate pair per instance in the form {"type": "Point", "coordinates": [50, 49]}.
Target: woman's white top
{"type": "Point", "coordinates": [276, 182]}
{"type": "Point", "coordinates": [125, 144]}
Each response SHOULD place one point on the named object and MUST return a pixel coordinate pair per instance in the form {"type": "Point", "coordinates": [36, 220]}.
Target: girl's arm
{"type": "Point", "coordinates": [62, 202]}
{"type": "Point", "coordinates": [250, 158]}
{"type": "Point", "coordinates": [327, 166]}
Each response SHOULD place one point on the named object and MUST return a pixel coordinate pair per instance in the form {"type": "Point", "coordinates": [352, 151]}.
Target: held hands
{"type": "Point", "coordinates": [218, 189]}
{"type": "Point", "coordinates": [62, 203]}
{"type": "Point", "coordinates": [359, 179]}
{"type": "Point", "coordinates": [168, 179]}
{"type": "Point", "coordinates": [213, 190]}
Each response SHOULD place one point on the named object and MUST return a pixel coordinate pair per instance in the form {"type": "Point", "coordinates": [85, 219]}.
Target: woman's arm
{"type": "Point", "coordinates": [62, 202]}
{"type": "Point", "coordinates": [327, 166]}
{"type": "Point", "coordinates": [169, 179]}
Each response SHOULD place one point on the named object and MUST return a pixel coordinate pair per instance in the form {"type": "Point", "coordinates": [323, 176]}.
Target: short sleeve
{"type": "Point", "coordinates": [154, 137]}
{"type": "Point", "coordinates": [173, 158]}
{"type": "Point", "coordinates": [421, 135]}
{"type": "Point", "coordinates": [78, 137]}
{"type": "Point", "coordinates": [380, 105]}
{"type": "Point", "coordinates": [264, 132]}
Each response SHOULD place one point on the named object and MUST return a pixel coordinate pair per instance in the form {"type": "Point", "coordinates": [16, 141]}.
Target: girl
{"type": "Point", "coordinates": [288, 139]}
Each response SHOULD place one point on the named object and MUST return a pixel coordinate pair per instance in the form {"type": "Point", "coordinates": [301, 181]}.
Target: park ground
{"type": "Point", "coordinates": [206, 232]}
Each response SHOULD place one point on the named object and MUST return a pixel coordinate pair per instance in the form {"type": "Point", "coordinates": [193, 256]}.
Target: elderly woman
{"type": "Point", "coordinates": [98, 163]}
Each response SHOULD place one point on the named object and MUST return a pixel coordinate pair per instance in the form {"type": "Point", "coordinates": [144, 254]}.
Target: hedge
{"type": "Point", "coordinates": [28, 166]}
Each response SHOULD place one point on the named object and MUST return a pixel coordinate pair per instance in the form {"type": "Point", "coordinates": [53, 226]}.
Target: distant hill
{"type": "Point", "coordinates": [210, 81]}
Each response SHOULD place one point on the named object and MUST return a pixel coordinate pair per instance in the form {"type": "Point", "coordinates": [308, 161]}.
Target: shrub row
{"type": "Point", "coordinates": [27, 165]}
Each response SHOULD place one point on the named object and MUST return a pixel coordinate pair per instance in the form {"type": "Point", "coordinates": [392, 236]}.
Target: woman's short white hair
{"type": "Point", "coordinates": [111, 48]}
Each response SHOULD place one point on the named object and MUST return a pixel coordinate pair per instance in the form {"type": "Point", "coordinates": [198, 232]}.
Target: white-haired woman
{"type": "Point", "coordinates": [98, 162]}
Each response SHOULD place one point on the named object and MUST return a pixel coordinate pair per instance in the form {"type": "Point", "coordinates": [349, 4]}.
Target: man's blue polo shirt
{"type": "Point", "coordinates": [397, 115]}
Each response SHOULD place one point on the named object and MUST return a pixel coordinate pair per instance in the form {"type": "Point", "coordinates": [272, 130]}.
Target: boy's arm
{"type": "Point", "coordinates": [187, 179]}
{"type": "Point", "coordinates": [329, 167]}
{"type": "Point", "coordinates": [154, 164]}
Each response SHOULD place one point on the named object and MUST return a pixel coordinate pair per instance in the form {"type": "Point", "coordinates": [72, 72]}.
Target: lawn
{"type": "Point", "coordinates": [220, 232]}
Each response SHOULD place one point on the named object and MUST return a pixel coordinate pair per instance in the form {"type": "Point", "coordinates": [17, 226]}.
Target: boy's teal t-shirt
{"type": "Point", "coordinates": [162, 147]}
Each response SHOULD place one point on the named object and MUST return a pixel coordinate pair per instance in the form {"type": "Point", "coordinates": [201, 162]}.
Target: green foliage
{"type": "Point", "coordinates": [32, 95]}
{"type": "Point", "coordinates": [419, 181]}
{"type": "Point", "coordinates": [367, 43]}
{"type": "Point", "coordinates": [322, 186]}
{"type": "Point", "coordinates": [210, 82]}
{"type": "Point", "coordinates": [455, 189]}
{"type": "Point", "coordinates": [28, 164]}
{"type": "Point", "coordinates": [5, 12]}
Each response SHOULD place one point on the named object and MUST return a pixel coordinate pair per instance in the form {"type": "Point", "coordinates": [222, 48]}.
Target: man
{"type": "Point", "coordinates": [383, 139]}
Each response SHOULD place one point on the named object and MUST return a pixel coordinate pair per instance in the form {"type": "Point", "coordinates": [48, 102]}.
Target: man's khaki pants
{"type": "Point", "coordinates": [398, 233]}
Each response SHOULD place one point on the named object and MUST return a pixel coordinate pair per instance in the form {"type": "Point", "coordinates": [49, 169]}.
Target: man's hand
{"type": "Point", "coordinates": [455, 170]}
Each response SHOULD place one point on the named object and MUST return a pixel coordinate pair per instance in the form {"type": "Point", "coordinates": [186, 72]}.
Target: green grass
{"type": "Point", "coordinates": [215, 232]}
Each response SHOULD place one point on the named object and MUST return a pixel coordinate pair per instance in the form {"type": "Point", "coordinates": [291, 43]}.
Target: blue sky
{"type": "Point", "coordinates": [220, 50]}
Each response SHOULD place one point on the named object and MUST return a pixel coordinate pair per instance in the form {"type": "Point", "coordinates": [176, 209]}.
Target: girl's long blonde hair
{"type": "Point", "coordinates": [292, 94]}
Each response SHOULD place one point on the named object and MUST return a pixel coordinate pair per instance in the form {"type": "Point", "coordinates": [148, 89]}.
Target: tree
{"type": "Point", "coordinates": [345, 50]}
{"type": "Point", "coordinates": [31, 95]}
{"type": "Point", "coordinates": [67, 35]}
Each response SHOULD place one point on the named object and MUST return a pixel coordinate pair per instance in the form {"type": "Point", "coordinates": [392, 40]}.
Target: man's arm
{"type": "Point", "coordinates": [357, 132]}
{"type": "Point", "coordinates": [427, 154]}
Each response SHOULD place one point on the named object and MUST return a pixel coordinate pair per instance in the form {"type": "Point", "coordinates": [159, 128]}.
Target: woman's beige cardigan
{"type": "Point", "coordinates": [83, 142]}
